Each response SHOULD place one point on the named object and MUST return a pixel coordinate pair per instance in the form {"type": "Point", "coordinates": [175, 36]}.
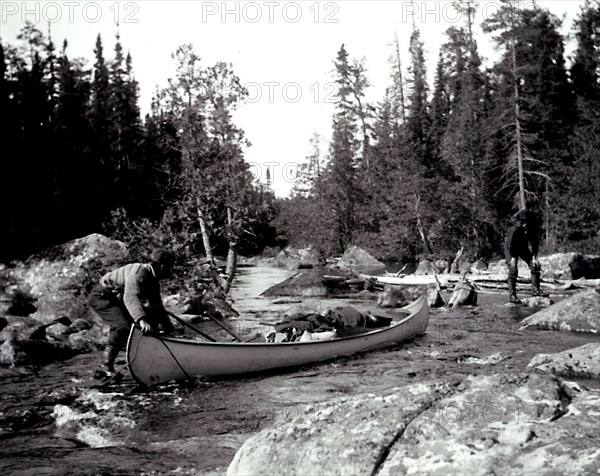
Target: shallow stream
{"type": "Point", "coordinates": [58, 421]}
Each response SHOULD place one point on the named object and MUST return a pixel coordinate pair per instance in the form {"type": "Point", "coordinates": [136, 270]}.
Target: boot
{"type": "Point", "coordinates": [512, 290]}
{"type": "Point", "coordinates": [110, 355]}
{"type": "Point", "coordinates": [535, 284]}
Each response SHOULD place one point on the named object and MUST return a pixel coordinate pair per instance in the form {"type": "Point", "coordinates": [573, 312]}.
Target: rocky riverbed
{"type": "Point", "coordinates": [56, 420]}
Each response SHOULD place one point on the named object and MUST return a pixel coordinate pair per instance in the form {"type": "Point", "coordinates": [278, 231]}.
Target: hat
{"type": "Point", "coordinates": [164, 258]}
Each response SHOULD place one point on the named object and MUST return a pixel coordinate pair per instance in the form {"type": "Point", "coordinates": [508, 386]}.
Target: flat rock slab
{"type": "Point", "coordinates": [307, 283]}
{"type": "Point", "coordinates": [578, 313]}
{"type": "Point", "coordinates": [339, 437]}
{"type": "Point", "coordinates": [583, 361]}
{"type": "Point", "coordinates": [520, 424]}
{"type": "Point", "coordinates": [516, 425]}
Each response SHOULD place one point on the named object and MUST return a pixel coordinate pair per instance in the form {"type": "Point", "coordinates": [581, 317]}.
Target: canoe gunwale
{"type": "Point", "coordinates": [378, 330]}
{"type": "Point", "coordinates": [416, 311]}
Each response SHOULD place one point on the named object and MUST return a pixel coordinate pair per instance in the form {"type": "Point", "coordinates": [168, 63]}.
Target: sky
{"type": "Point", "coordinates": [282, 51]}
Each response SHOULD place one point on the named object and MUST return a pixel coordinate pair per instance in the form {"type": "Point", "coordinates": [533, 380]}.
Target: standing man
{"type": "Point", "coordinates": [520, 236]}
{"type": "Point", "coordinates": [131, 294]}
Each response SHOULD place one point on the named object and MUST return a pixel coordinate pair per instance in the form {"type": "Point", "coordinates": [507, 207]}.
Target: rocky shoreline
{"type": "Point", "coordinates": [490, 388]}
{"type": "Point", "coordinates": [55, 419]}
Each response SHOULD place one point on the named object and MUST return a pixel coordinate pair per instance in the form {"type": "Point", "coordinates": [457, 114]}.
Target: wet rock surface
{"type": "Point", "coordinates": [476, 425]}
{"type": "Point", "coordinates": [583, 361]}
{"type": "Point", "coordinates": [306, 283]}
{"type": "Point", "coordinates": [347, 435]}
{"type": "Point", "coordinates": [515, 423]}
{"type": "Point", "coordinates": [56, 420]}
{"type": "Point", "coordinates": [578, 313]}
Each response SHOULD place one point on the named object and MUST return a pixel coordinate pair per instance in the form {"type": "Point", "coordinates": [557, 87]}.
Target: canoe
{"type": "Point", "coordinates": [152, 359]}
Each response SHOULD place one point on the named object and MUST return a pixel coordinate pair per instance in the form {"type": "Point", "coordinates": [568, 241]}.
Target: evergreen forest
{"type": "Point", "coordinates": [426, 170]}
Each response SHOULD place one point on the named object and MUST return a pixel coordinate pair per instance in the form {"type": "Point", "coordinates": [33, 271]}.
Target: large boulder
{"type": "Point", "coordinates": [60, 278]}
{"type": "Point", "coordinates": [357, 259]}
{"type": "Point", "coordinates": [427, 268]}
{"type": "Point", "coordinates": [525, 424]}
{"type": "Point", "coordinates": [579, 313]}
{"type": "Point", "coordinates": [296, 258]}
{"type": "Point", "coordinates": [57, 281]}
{"type": "Point", "coordinates": [582, 361]}
{"type": "Point", "coordinates": [338, 437]}
{"type": "Point", "coordinates": [570, 266]}
{"type": "Point", "coordinates": [394, 296]}
{"type": "Point", "coordinates": [522, 424]}
{"type": "Point", "coordinates": [563, 266]}
{"type": "Point", "coordinates": [500, 268]}
{"type": "Point", "coordinates": [307, 283]}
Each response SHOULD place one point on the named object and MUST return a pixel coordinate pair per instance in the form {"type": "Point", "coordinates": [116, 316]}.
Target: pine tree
{"type": "Point", "coordinates": [72, 135]}
{"type": "Point", "coordinates": [381, 236]}
{"type": "Point", "coordinates": [125, 132]}
{"type": "Point", "coordinates": [162, 161]}
{"type": "Point", "coordinates": [580, 205]}
{"type": "Point", "coordinates": [352, 83]}
{"type": "Point", "coordinates": [341, 180]}
{"type": "Point", "coordinates": [463, 147]}
{"type": "Point", "coordinates": [35, 144]}
{"type": "Point", "coordinates": [397, 99]}
{"type": "Point", "coordinates": [11, 167]}
{"type": "Point", "coordinates": [340, 184]}
{"type": "Point", "coordinates": [532, 73]}
{"type": "Point", "coordinates": [416, 164]}
{"type": "Point", "coordinates": [440, 115]}
{"type": "Point", "coordinates": [509, 86]}
{"type": "Point", "coordinates": [584, 70]}
{"type": "Point", "coordinates": [309, 173]}
{"type": "Point", "coordinates": [100, 117]}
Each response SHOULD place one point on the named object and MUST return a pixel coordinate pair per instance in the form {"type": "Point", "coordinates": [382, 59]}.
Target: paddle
{"type": "Point", "coordinates": [181, 321]}
{"type": "Point", "coordinates": [229, 331]}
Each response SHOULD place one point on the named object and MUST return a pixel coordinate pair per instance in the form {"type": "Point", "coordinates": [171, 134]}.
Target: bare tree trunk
{"type": "Point", "coordinates": [230, 267]}
{"type": "Point", "coordinates": [420, 226]}
{"type": "Point", "coordinates": [549, 238]}
{"type": "Point", "coordinates": [218, 281]}
{"type": "Point", "coordinates": [205, 237]}
{"type": "Point", "coordinates": [365, 143]}
{"type": "Point", "coordinates": [518, 132]}
{"type": "Point", "coordinates": [400, 80]}
{"type": "Point", "coordinates": [455, 265]}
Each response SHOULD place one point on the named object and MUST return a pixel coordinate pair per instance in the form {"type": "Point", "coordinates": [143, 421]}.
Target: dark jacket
{"type": "Point", "coordinates": [521, 243]}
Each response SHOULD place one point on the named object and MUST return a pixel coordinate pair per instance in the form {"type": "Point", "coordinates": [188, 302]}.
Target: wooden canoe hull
{"type": "Point", "coordinates": [152, 360]}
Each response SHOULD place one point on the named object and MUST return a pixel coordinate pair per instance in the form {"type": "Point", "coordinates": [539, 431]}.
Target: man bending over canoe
{"type": "Point", "coordinates": [131, 294]}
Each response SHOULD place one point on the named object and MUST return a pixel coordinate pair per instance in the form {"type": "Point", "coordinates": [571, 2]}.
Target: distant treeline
{"type": "Point", "coordinates": [425, 171]}
{"type": "Point", "coordinates": [428, 172]}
